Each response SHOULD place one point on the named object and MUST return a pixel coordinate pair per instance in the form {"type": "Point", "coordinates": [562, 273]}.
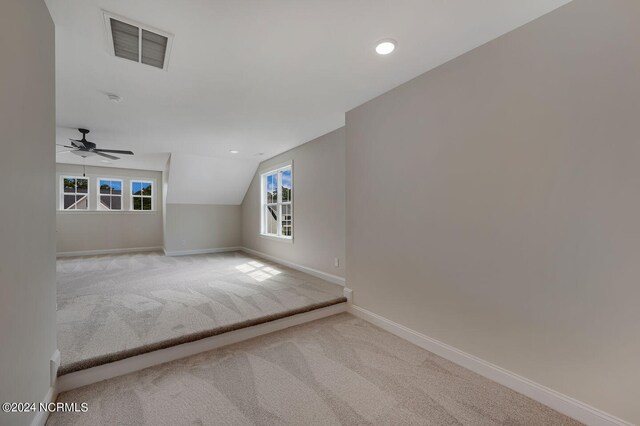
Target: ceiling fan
{"type": "Point", "coordinates": [84, 148]}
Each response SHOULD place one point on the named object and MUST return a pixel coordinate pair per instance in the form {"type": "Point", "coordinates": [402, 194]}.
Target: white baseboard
{"type": "Point", "coordinates": [54, 364]}
{"type": "Point", "coordinates": [139, 362]}
{"type": "Point", "coordinates": [348, 293]}
{"type": "Point", "coordinates": [323, 275]}
{"type": "Point", "coordinates": [41, 417]}
{"type": "Point", "coordinates": [107, 251]}
{"type": "Point", "coordinates": [200, 251]}
{"type": "Point", "coordinates": [559, 402]}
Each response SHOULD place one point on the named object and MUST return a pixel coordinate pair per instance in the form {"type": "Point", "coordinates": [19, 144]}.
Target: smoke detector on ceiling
{"type": "Point", "coordinates": [128, 39]}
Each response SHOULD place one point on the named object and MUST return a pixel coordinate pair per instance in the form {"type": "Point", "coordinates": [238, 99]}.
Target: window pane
{"type": "Point", "coordinates": [146, 203]}
{"type": "Point", "coordinates": [116, 203]}
{"type": "Point", "coordinates": [82, 202]}
{"type": "Point", "coordinates": [146, 189]}
{"type": "Point", "coordinates": [287, 220]}
{"type": "Point", "coordinates": [69, 185]}
{"type": "Point", "coordinates": [105, 202]}
{"type": "Point", "coordinates": [82, 186]}
{"type": "Point", "coordinates": [69, 200]}
{"type": "Point", "coordinates": [271, 220]}
{"type": "Point", "coordinates": [286, 185]}
{"type": "Point", "coordinates": [105, 186]}
{"type": "Point", "coordinates": [116, 187]}
{"type": "Point", "coordinates": [137, 203]}
{"type": "Point", "coordinates": [272, 188]}
{"type": "Point", "coordinates": [136, 188]}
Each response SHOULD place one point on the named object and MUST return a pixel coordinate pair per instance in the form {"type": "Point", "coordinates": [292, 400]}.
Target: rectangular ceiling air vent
{"type": "Point", "coordinates": [136, 42]}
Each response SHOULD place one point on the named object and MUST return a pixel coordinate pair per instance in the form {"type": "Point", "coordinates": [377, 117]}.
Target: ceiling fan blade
{"type": "Point", "coordinates": [63, 152]}
{"type": "Point", "coordinates": [110, 157]}
{"type": "Point", "coordinates": [66, 146]}
{"type": "Point", "coordinates": [115, 151]}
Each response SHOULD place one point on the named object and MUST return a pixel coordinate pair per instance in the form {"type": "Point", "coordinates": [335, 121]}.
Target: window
{"type": "Point", "coordinates": [75, 193]}
{"type": "Point", "coordinates": [141, 195]}
{"type": "Point", "coordinates": [110, 194]}
{"type": "Point", "coordinates": [277, 203]}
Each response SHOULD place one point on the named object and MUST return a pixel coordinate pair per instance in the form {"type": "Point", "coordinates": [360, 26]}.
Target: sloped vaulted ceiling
{"type": "Point", "coordinates": [195, 179]}
{"type": "Point", "coordinates": [251, 75]}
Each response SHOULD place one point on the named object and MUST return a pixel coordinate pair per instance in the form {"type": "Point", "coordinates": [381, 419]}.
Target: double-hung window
{"type": "Point", "coordinates": [110, 194]}
{"type": "Point", "coordinates": [277, 202]}
{"type": "Point", "coordinates": [75, 193]}
{"type": "Point", "coordinates": [141, 195]}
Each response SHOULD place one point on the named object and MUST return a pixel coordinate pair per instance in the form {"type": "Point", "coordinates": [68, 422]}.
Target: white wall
{"type": "Point", "coordinates": [493, 203]}
{"type": "Point", "coordinates": [27, 218]}
{"type": "Point", "coordinates": [79, 231]}
{"type": "Point", "coordinates": [319, 206]}
{"type": "Point", "coordinates": [193, 227]}
{"type": "Point", "coordinates": [197, 179]}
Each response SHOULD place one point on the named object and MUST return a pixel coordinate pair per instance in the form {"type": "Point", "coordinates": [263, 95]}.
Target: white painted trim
{"type": "Point", "coordinates": [107, 212]}
{"type": "Point", "coordinates": [41, 417]}
{"type": "Point", "coordinates": [348, 293]}
{"type": "Point", "coordinates": [152, 181]}
{"type": "Point", "coordinates": [99, 194]}
{"type": "Point", "coordinates": [201, 251]}
{"type": "Point", "coordinates": [139, 362]}
{"type": "Point", "coordinates": [277, 170]}
{"type": "Point", "coordinates": [54, 364]}
{"type": "Point", "coordinates": [559, 402]}
{"type": "Point", "coordinates": [61, 178]}
{"type": "Point", "coordinates": [323, 275]}
{"type": "Point", "coordinates": [107, 251]}
{"type": "Point", "coordinates": [277, 238]}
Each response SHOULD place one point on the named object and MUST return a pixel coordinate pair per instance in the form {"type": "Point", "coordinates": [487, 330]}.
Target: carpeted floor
{"type": "Point", "coordinates": [113, 307]}
{"type": "Point", "coordinates": [338, 370]}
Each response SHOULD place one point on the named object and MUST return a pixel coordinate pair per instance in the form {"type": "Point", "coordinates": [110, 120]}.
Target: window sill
{"type": "Point", "coordinates": [108, 212]}
{"type": "Point", "coordinates": [276, 238]}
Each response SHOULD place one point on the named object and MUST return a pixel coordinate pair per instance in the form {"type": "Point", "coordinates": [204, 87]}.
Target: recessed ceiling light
{"type": "Point", "coordinates": [233, 151]}
{"type": "Point", "coordinates": [114, 98]}
{"type": "Point", "coordinates": [384, 47]}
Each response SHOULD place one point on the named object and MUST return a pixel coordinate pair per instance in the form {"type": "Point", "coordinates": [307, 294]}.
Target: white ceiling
{"type": "Point", "coordinates": [253, 75]}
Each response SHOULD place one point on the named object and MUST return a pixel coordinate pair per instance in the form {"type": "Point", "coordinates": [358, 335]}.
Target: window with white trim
{"type": "Point", "coordinates": [141, 195]}
{"type": "Point", "coordinates": [109, 194]}
{"type": "Point", "coordinates": [277, 203]}
{"type": "Point", "coordinates": [75, 193]}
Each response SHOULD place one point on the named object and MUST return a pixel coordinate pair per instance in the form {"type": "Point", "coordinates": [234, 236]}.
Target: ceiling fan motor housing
{"type": "Point", "coordinates": [87, 144]}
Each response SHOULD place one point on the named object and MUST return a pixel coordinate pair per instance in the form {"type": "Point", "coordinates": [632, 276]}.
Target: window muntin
{"type": "Point", "coordinates": [141, 195]}
{"type": "Point", "coordinates": [277, 203]}
{"type": "Point", "coordinates": [75, 193]}
{"type": "Point", "coordinates": [109, 194]}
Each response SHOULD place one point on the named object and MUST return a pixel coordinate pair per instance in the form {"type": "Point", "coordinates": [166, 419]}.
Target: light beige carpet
{"type": "Point", "coordinates": [339, 370]}
{"type": "Point", "coordinates": [114, 307]}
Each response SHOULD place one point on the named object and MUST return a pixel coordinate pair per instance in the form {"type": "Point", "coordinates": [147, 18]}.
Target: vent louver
{"type": "Point", "coordinates": [154, 47]}
{"type": "Point", "coordinates": [125, 40]}
{"type": "Point", "coordinates": [138, 43]}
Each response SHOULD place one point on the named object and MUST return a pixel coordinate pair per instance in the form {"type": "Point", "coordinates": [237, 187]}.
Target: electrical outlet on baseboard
{"type": "Point", "coordinates": [336, 262]}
